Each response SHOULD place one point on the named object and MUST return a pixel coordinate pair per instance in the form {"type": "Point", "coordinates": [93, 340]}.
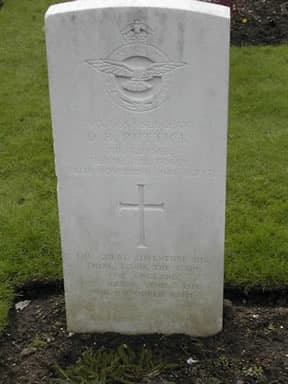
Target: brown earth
{"type": "Point", "coordinates": [253, 348]}
{"type": "Point", "coordinates": [258, 21]}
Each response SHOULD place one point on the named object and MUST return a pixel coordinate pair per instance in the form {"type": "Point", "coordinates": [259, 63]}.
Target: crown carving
{"type": "Point", "coordinates": [136, 32]}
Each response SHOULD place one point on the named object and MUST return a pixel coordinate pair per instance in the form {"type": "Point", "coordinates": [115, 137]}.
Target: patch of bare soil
{"type": "Point", "coordinates": [253, 348]}
{"type": "Point", "coordinates": [258, 21]}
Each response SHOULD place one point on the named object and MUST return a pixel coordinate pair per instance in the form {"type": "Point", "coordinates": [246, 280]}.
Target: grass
{"type": "Point", "coordinates": [257, 208]}
{"type": "Point", "coordinates": [121, 366]}
{"type": "Point", "coordinates": [29, 235]}
{"type": "Point", "coordinates": [257, 182]}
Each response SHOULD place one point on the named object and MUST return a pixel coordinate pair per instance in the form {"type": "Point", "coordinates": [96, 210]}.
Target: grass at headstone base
{"type": "Point", "coordinates": [257, 208]}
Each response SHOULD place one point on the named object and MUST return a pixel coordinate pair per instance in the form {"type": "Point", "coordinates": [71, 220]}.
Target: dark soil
{"type": "Point", "coordinates": [258, 21]}
{"type": "Point", "coordinates": [253, 348]}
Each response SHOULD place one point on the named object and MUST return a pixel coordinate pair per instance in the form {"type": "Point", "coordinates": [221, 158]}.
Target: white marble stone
{"type": "Point", "coordinates": [139, 94]}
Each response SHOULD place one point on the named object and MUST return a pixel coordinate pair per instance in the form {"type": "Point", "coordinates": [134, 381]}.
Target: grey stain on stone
{"type": "Point", "coordinates": [180, 39]}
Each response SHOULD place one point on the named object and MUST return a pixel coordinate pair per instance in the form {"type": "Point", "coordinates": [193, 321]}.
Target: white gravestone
{"type": "Point", "coordinates": [139, 94]}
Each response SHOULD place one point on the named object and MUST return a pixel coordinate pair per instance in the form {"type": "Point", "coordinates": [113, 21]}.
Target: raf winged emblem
{"type": "Point", "coordinates": [137, 73]}
{"type": "Point", "coordinates": [137, 78]}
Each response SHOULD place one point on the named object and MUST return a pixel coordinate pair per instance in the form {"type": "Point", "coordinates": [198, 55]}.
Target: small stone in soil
{"type": "Point", "coordinates": [22, 305]}
{"type": "Point", "coordinates": [27, 352]}
{"type": "Point", "coordinates": [228, 309]}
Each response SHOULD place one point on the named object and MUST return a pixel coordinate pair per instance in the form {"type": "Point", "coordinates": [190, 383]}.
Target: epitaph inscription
{"type": "Point", "coordinates": [161, 276]}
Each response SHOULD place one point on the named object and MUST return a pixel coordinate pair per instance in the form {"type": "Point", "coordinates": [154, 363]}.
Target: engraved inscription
{"type": "Point", "coordinates": [107, 170]}
{"type": "Point", "coordinates": [181, 276]}
{"type": "Point", "coordinates": [147, 147]}
{"type": "Point", "coordinates": [141, 206]}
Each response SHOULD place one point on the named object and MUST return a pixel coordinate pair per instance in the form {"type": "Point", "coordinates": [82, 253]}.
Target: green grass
{"type": "Point", "coordinates": [121, 366]}
{"type": "Point", "coordinates": [257, 208]}
{"type": "Point", "coordinates": [29, 234]}
{"type": "Point", "coordinates": [257, 195]}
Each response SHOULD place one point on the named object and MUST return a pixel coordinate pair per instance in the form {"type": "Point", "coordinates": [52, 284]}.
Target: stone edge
{"type": "Point", "coordinates": [200, 7]}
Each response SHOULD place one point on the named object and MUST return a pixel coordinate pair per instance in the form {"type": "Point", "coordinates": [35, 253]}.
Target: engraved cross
{"type": "Point", "coordinates": [141, 207]}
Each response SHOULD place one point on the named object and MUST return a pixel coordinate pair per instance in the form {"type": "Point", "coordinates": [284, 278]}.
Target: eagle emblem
{"type": "Point", "coordinates": [137, 78]}
{"type": "Point", "coordinates": [137, 74]}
